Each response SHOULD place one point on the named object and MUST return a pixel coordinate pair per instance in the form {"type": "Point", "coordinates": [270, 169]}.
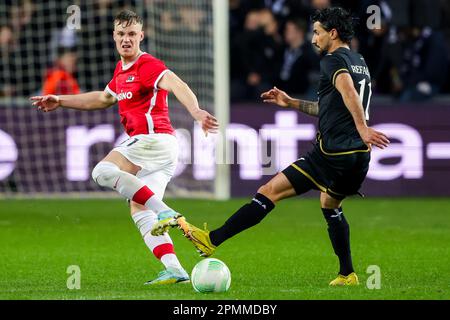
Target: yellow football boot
{"type": "Point", "coordinates": [350, 280]}
{"type": "Point", "coordinates": [166, 220]}
{"type": "Point", "coordinates": [199, 238]}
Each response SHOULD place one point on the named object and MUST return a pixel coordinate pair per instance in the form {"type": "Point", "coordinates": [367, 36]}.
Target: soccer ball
{"type": "Point", "coordinates": [211, 275]}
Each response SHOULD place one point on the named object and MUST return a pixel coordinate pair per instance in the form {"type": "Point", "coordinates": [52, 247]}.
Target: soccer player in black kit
{"type": "Point", "coordinates": [338, 163]}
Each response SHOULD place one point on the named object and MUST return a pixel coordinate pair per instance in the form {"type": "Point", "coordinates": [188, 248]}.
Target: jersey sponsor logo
{"type": "Point", "coordinates": [125, 95]}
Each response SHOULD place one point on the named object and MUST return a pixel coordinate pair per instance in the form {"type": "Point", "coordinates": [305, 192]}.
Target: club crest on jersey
{"type": "Point", "coordinates": [130, 79]}
{"type": "Point", "coordinates": [125, 95]}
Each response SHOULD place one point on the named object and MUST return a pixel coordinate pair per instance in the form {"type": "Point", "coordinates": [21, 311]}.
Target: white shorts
{"type": "Point", "coordinates": [156, 154]}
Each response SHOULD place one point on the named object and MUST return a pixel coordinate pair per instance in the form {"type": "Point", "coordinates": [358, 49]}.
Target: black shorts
{"type": "Point", "coordinates": [338, 174]}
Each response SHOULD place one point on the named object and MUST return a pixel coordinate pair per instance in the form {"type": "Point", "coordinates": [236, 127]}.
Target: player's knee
{"type": "Point", "coordinates": [104, 173]}
{"type": "Point", "coordinates": [268, 191]}
{"type": "Point", "coordinates": [328, 202]}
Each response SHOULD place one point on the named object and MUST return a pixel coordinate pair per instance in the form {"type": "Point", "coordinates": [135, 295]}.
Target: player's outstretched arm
{"type": "Point", "coordinates": [85, 101]}
{"type": "Point", "coordinates": [344, 84]}
{"type": "Point", "coordinates": [282, 99]}
{"type": "Point", "coordinates": [171, 82]}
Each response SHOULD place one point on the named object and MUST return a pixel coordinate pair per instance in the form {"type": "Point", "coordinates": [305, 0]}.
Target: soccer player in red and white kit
{"type": "Point", "coordinates": [140, 168]}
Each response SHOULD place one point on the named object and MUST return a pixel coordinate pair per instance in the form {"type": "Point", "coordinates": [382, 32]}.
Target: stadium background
{"type": "Point", "coordinates": [51, 155]}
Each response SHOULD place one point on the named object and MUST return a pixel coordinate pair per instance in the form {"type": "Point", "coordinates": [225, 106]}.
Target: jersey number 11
{"type": "Point", "coordinates": [362, 89]}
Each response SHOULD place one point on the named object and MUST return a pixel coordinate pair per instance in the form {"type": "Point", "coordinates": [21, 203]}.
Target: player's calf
{"type": "Point", "coordinates": [108, 174]}
{"type": "Point", "coordinates": [339, 234]}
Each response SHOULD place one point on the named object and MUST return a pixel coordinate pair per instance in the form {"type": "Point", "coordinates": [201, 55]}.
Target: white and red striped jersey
{"type": "Point", "coordinates": [143, 106]}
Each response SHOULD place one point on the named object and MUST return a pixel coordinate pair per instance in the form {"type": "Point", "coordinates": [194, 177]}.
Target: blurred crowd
{"type": "Point", "coordinates": [41, 53]}
{"type": "Point", "coordinates": [270, 45]}
{"type": "Point", "coordinates": [408, 55]}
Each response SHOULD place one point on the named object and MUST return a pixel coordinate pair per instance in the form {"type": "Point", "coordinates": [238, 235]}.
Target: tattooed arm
{"type": "Point", "coordinates": [280, 98]}
{"type": "Point", "coordinates": [308, 107]}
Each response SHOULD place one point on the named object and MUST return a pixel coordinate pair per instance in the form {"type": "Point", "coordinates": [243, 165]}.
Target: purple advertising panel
{"type": "Point", "coordinates": [55, 152]}
{"type": "Point", "coordinates": [417, 163]}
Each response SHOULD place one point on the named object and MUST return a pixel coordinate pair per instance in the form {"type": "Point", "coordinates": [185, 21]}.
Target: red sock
{"type": "Point", "coordinates": [163, 249]}
{"type": "Point", "coordinates": [142, 195]}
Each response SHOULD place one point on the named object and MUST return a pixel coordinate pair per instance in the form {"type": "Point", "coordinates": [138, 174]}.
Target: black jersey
{"type": "Point", "coordinates": [337, 130]}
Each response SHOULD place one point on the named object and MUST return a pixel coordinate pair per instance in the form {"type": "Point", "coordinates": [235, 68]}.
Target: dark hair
{"type": "Point", "coordinates": [128, 17]}
{"type": "Point", "coordinates": [336, 18]}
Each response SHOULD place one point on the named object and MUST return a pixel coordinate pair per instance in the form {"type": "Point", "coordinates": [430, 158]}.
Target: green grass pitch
{"type": "Point", "coordinates": [287, 256]}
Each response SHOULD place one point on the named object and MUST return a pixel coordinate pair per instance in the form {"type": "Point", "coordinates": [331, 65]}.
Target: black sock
{"type": "Point", "coordinates": [247, 216]}
{"type": "Point", "coordinates": [339, 232]}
